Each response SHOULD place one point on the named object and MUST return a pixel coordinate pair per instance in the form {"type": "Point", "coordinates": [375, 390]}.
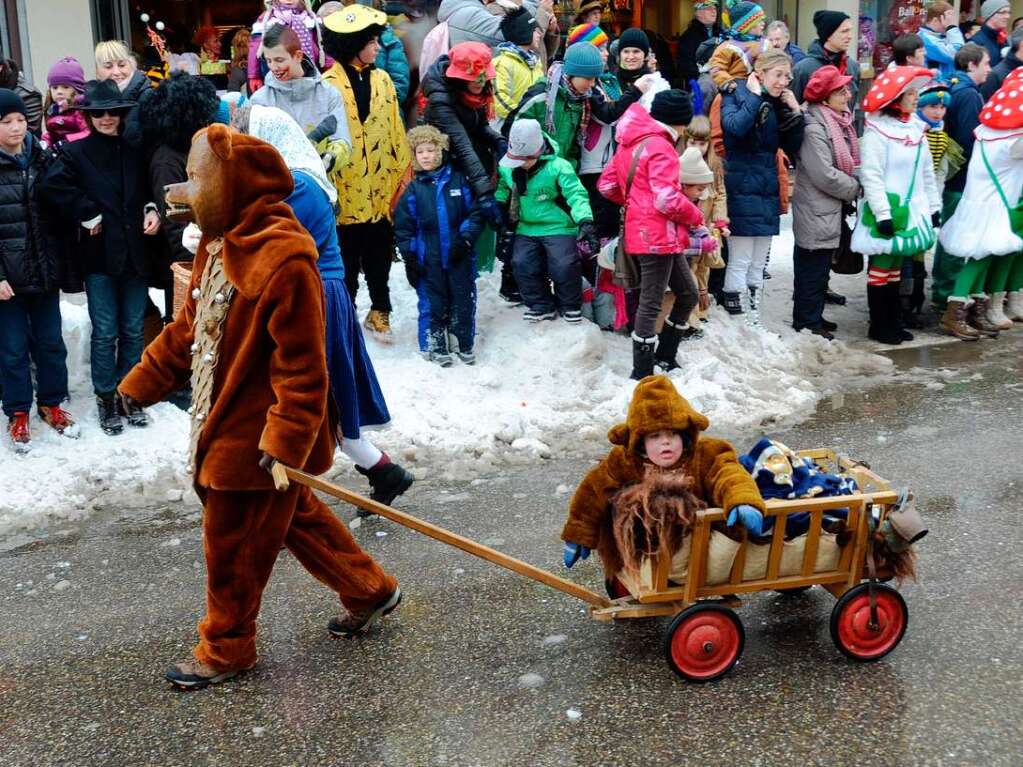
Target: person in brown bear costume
{"type": "Point", "coordinates": [250, 338]}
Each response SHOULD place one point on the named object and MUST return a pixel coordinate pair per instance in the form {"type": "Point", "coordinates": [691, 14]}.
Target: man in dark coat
{"type": "Point", "coordinates": [962, 117]}
{"type": "Point", "coordinates": [30, 328]}
{"type": "Point", "coordinates": [1012, 59]}
{"type": "Point", "coordinates": [834, 35]}
{"type": "Point", "coordinates": [704, 26]}
{"type": "Point", "coordinates": [991, 36]}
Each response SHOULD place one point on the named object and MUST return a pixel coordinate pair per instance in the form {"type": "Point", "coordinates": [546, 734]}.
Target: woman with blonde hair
{"type": "Point", "coordinates": [116, 62]}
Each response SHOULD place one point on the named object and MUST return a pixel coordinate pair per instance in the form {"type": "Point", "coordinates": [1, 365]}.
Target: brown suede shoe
{"type": "Point", "coordinates": [977, 318]}
{"type": "Point", "coordinates": [192, 675]}
{"type": "Point", "coordinates": [953, 322]}
{"type": "Point", "coordinates": [359, 622]}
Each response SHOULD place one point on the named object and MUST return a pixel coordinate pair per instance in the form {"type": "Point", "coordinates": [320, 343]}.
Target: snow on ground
{"type": "Point", "coordinates": [536, 391]}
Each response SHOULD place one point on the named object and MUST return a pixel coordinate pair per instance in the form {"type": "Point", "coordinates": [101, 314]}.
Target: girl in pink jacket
{"type": "Point", "coordinates": [657, 219]}
{"type": "Point", "coordinates": [297, 14]}
{"type": "Point", "coordinates": [65, 85]}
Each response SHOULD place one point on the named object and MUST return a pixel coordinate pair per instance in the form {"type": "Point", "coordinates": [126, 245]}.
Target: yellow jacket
{"type": "Point", "coordinates": [380, 154]}
{"type": "Point", "coordinates": [514, 77]}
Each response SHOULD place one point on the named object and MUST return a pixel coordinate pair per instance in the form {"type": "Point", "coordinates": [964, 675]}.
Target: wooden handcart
{"type": "Point", "coordinates": [706, 638]}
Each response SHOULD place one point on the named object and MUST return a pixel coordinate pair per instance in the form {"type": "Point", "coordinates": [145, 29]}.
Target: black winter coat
{"type": "Point", "coordinates": [688, 43]}
{"type": "Point", "coordinates": [755, 127]}
{"type": "Point", "coordinates": [167, 166]}
{"type": "Point", "coordinates": [29, 246]}
{"type": "Point", "coordinates": [987, 38]}
{"type": "Point", "coordinates": [962, 117]}
{"type": "Point", "coordinates": [475, 146]}
{"type": "Point", "coordinates": [104, 175]}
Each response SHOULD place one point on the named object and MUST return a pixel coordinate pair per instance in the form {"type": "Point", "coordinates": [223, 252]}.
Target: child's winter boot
{"type": "Point", "coordinates": [996, 311]}
{"type": "Point", "coordinates": [666, 356]}
{"type": "Point", "coordinates": [643, 356]}
{"type": "Point", "coordinates": [467, 358]}
{"type": "Point", "coordinates": [17, 428]}
{"type": "Point", "coordinates": [881, 316]}
{"type": "Point", "coordinates": [953, 321]}
{"type": "Point", "coordinates": [893, 300]}
{"type": "Point", "coordinates": [59, 420]}
{"type": "Point", "coordinates": [752, 308]}
{"type": "Point", "coordinates": [133, 413]}
{"type": "Point", "coordinates": [1014, 307]}
{"type": "Point", "coordinates": [731, 302]}
{"type": "Point", "coordinates": [976, 316]}
{"type": "Point", "coordinates": [386, 480]}
{"type": "Point", "coordinates": [509, 290]}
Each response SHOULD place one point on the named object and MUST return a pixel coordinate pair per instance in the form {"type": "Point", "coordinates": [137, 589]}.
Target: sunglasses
{"type": "Point", "coordinates": [108, 112]}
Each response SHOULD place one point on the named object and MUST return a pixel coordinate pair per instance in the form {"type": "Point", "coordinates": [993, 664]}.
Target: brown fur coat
{"type": "Point", "coordinates": [270, 385]}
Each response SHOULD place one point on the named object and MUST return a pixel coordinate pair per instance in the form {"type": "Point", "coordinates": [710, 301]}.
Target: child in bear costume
{"type": "Point", "coordinates": [250, 336]}
{"type": "Point", "coordinates": [660, 435]}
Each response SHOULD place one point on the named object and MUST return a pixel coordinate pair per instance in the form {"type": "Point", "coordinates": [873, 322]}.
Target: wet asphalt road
{"type": "Point", "coordinates": [480, 667]}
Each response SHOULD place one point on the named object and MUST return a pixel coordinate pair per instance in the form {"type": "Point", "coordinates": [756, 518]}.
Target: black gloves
{"type": "Point", "coordinates": [411, 269]}
{"type": "Point", "coordinates": [886, 228]}
{"type": "Point", "coordinates": [936, 219]}
{"type": "Point", "coordinates": [588, 242]}
{"type": "Point", "coordinates": [460, 250]}
{"type": "Point", "coordinates": [505, 243]}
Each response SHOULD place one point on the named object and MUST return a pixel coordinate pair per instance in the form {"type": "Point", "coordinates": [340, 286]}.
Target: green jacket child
{"type": "Point", "coordinates": [549, 211]}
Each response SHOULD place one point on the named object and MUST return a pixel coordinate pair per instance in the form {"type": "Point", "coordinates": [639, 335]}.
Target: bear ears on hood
{"type": "Point", "coordinates": [656, 406]}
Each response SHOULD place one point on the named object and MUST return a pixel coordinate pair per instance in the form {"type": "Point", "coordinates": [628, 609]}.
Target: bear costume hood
{"type": "Point", "coordinates": [657, 406]}
{"type": "Point", "coordinates": [253, 182]}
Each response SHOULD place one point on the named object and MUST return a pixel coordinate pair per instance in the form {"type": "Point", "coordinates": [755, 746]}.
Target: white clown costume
{"type": "Point", "coordinates": [902, 202]}
{"type": "Point", "coordinates": [987, 227]}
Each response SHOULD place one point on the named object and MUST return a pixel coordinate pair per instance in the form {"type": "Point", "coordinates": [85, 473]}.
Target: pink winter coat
{"type": "Point", "coordinates": [64, 126]}
{"type": "Point", "coordinates": [657, 214]}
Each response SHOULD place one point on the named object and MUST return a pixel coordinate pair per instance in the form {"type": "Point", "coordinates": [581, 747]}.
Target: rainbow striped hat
{"type": "Point", "coordinates": [587, 33]}
{"type": "Point", "coordinates": [745, 16]}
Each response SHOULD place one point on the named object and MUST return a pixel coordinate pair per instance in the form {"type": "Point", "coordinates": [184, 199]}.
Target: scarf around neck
{"type": "Point", "coordinates": [844, 144]}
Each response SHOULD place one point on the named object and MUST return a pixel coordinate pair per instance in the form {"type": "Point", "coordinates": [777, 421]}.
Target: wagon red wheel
{"type": "Point", "coordinates": [851, 628]}
{"type": "Point", "coordinates": [704, 641]}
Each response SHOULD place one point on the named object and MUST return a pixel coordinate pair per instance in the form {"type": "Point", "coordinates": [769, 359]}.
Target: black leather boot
{"type": "Point", "coordinates": [667, 347]}
{"type": "Point", "coordinates": [387, 481]}
{"type": "Point", "coordinates": [109, 419]}
{"type": "Point", "coordinates": [642, 357]}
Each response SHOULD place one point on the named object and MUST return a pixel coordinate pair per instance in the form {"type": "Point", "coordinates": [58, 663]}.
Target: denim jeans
{"type": "Point", "coordinates": [30, 330]}
{"type": "Point", "coordinates": [810, 272]}
{"type": "Point", "coordinates": [117, 308]}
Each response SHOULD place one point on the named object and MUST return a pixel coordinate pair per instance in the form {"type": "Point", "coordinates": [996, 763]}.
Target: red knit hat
{"type": "Point", "coordinates": [890, 84]}
{"type": "Point", "coordinates": [469, 61]}
{"type": "Point", "coordinates": [823, 83]}
{"type": "Point", "coordinates": [1004, 110]}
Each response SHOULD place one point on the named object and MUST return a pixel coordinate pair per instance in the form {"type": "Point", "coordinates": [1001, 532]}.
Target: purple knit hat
{"type": "Point", "coordinates": [67, 71]}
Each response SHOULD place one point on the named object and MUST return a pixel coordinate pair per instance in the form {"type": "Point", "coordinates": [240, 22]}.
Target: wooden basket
{"type": "Point", "coordinates": [182, 271]}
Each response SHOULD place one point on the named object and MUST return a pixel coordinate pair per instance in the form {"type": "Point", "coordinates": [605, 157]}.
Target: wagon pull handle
{"type": "Point", "coordinates": [282, 474]}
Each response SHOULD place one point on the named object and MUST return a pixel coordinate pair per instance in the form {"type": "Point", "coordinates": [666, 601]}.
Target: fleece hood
{"type": "Point", "coordinates": [657, 406]}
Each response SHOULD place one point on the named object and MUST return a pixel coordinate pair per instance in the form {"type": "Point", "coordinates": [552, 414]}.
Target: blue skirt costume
{"type": "Point", "coordinates": [353, 382]}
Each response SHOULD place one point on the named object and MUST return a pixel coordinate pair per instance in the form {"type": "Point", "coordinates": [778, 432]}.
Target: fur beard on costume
{"type": "Point", "coordinates": [653, 515]}
{"type": "Point", "coordinates": [176, 110]}
{"type": "Point", "coordinates": [900, 564]}
{"type": "Point", "coordinates": [345, 47]}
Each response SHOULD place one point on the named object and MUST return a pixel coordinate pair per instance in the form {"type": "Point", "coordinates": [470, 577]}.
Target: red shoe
{"type": "Point", "coordinates": [59, 419]}
{"type": "Point", "coordinates": [17, 427]}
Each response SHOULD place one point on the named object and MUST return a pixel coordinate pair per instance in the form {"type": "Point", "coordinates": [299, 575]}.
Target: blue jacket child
{"type": "Point", "coordinates": [436, 226]}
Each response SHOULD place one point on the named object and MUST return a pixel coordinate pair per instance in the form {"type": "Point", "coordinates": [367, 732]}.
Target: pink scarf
{"type": "Point", "coordinates": [844, 143]}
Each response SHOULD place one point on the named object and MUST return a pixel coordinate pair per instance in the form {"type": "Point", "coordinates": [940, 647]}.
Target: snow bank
{"type": "Point", "coordinates": [536, 390]}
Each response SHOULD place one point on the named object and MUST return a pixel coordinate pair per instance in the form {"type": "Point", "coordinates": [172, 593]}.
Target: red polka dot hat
{"type": "Point", "coordinates": [1004, 110]}
{"type": "Point", "coordinates": [890, 84]}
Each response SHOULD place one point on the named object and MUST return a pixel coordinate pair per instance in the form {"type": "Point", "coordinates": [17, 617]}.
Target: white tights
{"type": "Point", "coordinates": [365, 454]}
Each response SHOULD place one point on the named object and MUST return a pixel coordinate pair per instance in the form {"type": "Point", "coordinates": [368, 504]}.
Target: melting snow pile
{"type": "Point", "coordinates": [535, 391]}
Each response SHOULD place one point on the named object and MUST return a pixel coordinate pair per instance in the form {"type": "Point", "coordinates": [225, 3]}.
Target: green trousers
{"type": "Point", "coordinates": [946, 268]}
{"type": "Point", "coordinates": [972, 278]}
{"type": "Point", "coordinates": [1006, 274]}
{"type": "Point", "coordinates": [486, 246]}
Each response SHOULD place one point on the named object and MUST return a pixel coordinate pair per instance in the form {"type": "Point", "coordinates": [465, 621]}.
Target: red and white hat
{"type": "Point", "coordinates": [1004, 110]}
{"type": "Point", "coordinates": [891, 83]}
